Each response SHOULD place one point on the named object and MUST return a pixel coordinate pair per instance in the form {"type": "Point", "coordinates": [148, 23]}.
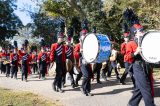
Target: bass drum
{"type": "Point", "coordinates": [96, 48]}
{"type": "Point", "coordinates": [150, 47]}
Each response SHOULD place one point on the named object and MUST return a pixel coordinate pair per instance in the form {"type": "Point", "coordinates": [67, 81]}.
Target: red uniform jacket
{"type": "Point", "coordinates": [28, 60]}
{"type": "Point", "coordinates": [77, 51]}
{"type": "Point", "coordinates": [130, 49]}
{"type": "Point", "coordinates": [48, 53]}
{"type": "Point", "coordinates": [2, 55]}
{"type": "Point", "coordinates": [123, 51]}
{"type": "Point", "coordinates": [57, 49]}
{"type": "Point", "coordinates": [14, 59]}
{"type": "Point", "coordinates": [34, 58]}
{"type": "Point", "coordinates": [69, 52]}
{"type": "Point", "coordinates": [46, 59]}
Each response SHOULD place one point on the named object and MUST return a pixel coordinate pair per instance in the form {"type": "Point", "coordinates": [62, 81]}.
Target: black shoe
{"type": "Point", "coordinates": [122, 82]}
{"type": "Point", "coordinates": [73, 85]}
{"type": "Point", "coordinates": [76, 85]}
{"type": "Point", "coordinates": [89, 94]}
{"type": "Point", "coordinates": [99, 82]}
{"type": "Point", "coordinates": [81, 89]}
{"type": "Point", "coordinates": [118, 78]}
{"type": "Point", "coordinates": [60, 90]}
{"type": "Point", "coordinates": [26, 80]}
{"type": "Point", "coordinates": [54, 87]}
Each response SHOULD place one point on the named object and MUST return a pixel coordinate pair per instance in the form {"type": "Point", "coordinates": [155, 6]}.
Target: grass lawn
{"type": "Point", "coordinates": [21, 98]}
{"type": "Point", "coordinates": [156, 72]}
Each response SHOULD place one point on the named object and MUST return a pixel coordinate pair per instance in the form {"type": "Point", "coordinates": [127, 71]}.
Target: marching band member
{"type": "Point", "coordinates": [141, 71]}
{"type": "Point", "coordinates": [7, 61]}
{"type": "Point", "coordinates": [77, 57]}
{"type": "Point", "coordinates": [14, 60]}
{"type": "Point", "coordinates": [42, 60]}
{"type": "Point", "coordinates": [105, 69]}
{"type": "Point", "coordinates": [97, 66]}
{"type": "Point", "coordinates": [48, 53]}
{"type": "Point", "coordinates": [25, 61]}
{"type": "Point", "coordinates": [113, 62]}
{"type": "Point", "coordinates": [3, 58]}
{"type": "Point", "coordinates": [127, 64]}
{"type": "Point", "coordinates": [34, 61]}
{"type": "Point", "coordinates": [87, 75]}
{"type": "Point", "coordinates": [57, 55]}
{"type": "Point", "coordinates": [77, 54]}
{"type": "Point", "coordinates": [69, 55]}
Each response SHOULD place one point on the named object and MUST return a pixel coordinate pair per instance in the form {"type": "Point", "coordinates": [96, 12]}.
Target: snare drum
{"type": "Point", "coordinates": [150, 47]}
{"type": "Point", "coordinates": [96, 48]}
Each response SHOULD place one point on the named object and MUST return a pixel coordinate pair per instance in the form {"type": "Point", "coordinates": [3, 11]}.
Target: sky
{"type": "Point", "coordinates": [25, 18]}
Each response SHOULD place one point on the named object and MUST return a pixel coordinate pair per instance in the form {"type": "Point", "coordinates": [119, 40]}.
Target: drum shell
{"type": "Point", "coordinates": [150, 49]}
{"type": "Point", "coordinates": [104, 48]}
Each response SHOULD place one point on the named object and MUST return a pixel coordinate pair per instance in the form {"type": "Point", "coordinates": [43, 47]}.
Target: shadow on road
{"type": "Point", "coordinates": [115, 91]}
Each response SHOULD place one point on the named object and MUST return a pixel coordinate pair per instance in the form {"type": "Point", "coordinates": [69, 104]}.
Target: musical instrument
{"type": "Point", "coordinates": [6, 62]}
{"type": "Point", "coordinates": [149, 43]}
{"type": "Point", "coordinates": [69, 65]}
{"type": "Point", "coordinates": [96, 48]}
{"type": "Point", "coordinates": [113, 55]}
{"type": "Point", "coordinates": [3, 58]}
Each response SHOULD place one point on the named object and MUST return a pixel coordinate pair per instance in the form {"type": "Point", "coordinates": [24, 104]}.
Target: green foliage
{"type": "Point", "coordinates": [9, 22]}
{"type": "Point", "coordinates": [59, 9]}
{"type": "Point", "coordinates": [45, 27]}
{"type": "Point", "coordinates": [148, 15]}
{"type": "Point", "coordinates": [106, 16]}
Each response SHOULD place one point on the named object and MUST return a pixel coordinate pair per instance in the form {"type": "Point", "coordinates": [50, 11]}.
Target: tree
{"type": "Point", "coordinates": [80, 9]}
{"type": "Point", "coordinates": [9, 22]}
{"type": "Point", "coordinates": [45, 27]}
{"type": "Point", "coordinates": [148, 16]}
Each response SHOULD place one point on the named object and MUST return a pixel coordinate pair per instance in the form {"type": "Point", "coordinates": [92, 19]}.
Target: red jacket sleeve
{"type": "Point", "coordinates": [77, 51]}
{"type": "Point", "coordinates": [123, 48]}
{"type": "Point", "coordinates": [20, 54]}
{"type": "Point", "coordinates": [65, 48]}
{"type": "Point", "coordinates": [39, 57]}
{"type": "Point", "coordinates": [130, 49]}
{"type": "Point", "coordinates": [52, 52]}
{"type": "Point", "coordinates": [11, 56]}
{"type": "Point", "coordinates": [47, 59]}
{"type": "Point", "coordinates": [30, 58]}
{"type": "Point", "coordinates": [33, 56]}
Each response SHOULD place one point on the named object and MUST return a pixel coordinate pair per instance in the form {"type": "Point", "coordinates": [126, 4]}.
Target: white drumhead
{"type": "Point", "coordinates": [90, 47]}
{"type": "Point", "coordinates": [150, 47]}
